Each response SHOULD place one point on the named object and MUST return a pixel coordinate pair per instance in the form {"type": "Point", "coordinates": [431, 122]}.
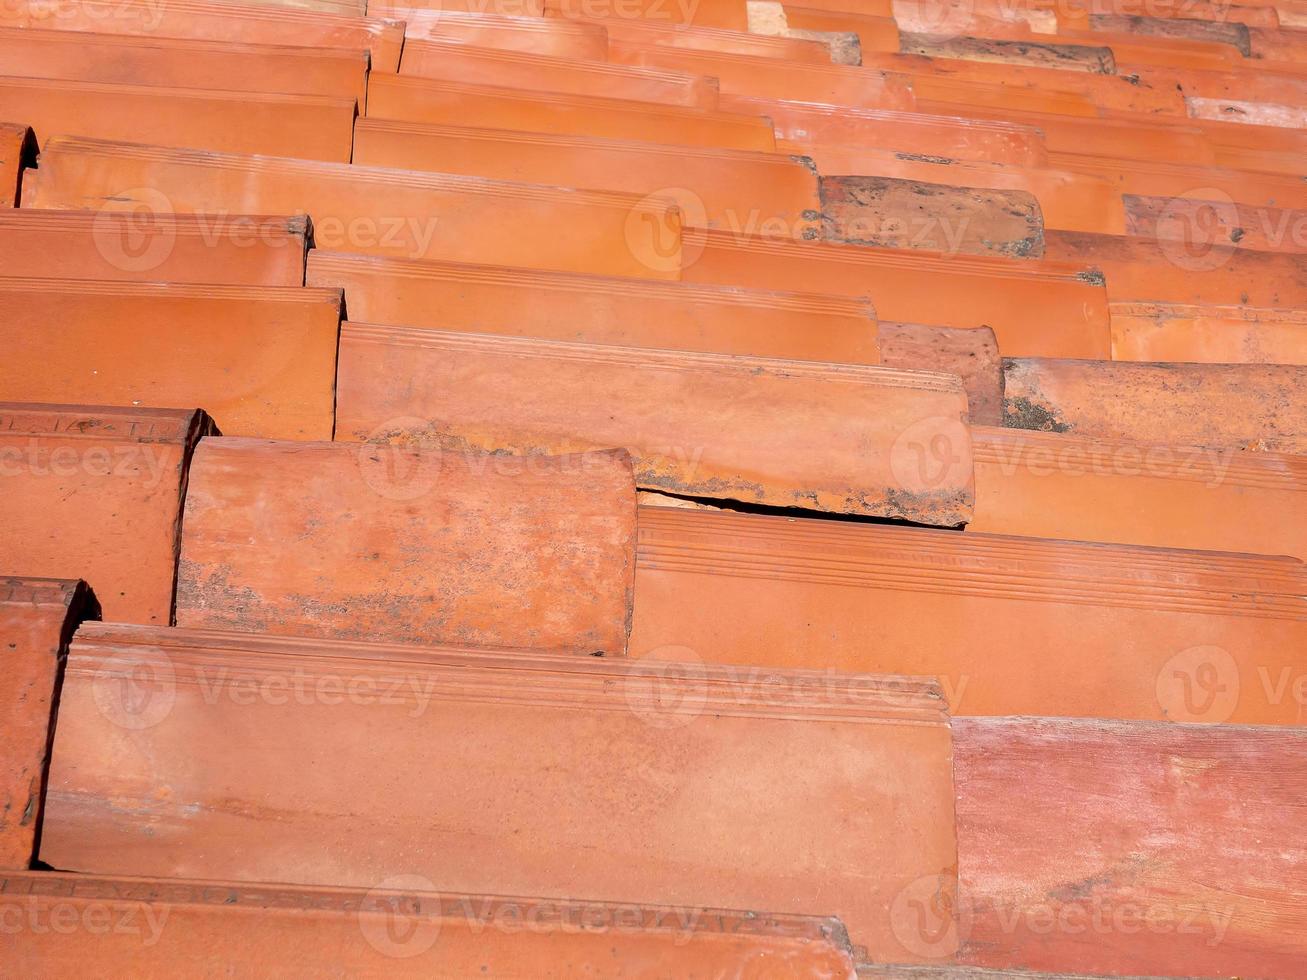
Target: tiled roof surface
{"type": "Point", "coordinates": [653, 488]}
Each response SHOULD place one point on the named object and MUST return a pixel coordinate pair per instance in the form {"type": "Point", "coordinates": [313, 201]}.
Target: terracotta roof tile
{"type": "Point", "coordinates": [420, 545]}
{"type": "Point", "coordinates": [626, 782]}
{"type": "Point", "coordinates": [37, 618]}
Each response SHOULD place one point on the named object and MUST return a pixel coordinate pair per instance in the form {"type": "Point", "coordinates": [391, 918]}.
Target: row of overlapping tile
{"type": "Point", "coordinates": [455, 286]}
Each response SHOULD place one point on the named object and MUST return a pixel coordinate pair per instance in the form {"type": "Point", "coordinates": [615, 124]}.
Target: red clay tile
{"type": "Point", "coordinates": [421, 546]}
{"type": "Point", "coordinates": [1209, 334]}
{"type": "Point", "coordinates": [1163, 179]}
{"type": "Point", "coordinates": [1137, 848]}
{"type": "Point", "coordinates": [453, 104]}
{"type": "Point", "coordinates": [748, 75]}
{"type": "Point", "coordinates": [785, 433]}
{"type": "Point", "coordinates": [260, 360]}
{"type": "Point", "coordinates": [154, 246]}
{"type": "Point", "coordinates": [544, 775]}
{"type": "Point", "coordinates": [1212, 223]}
{"type": "Point", "coordinates": [185, 63]}
{"type": "Point", "coordinates": [728, 15]}
{"type": "Point", "coordinates": [1193, 272]}
{"type": "Point", "coordinates": [1095, 59]}
{"type": "Point", "coordinates": [668, 35]}
{"type": "Point", "coordinates": [214, 20]}
{"type": "Point", "coordinates": [537, 35]}
{"type": "Point", "coordinates": [1009, 625]}
{"type": "Point", "coordinates": [1220, 406]}
{"type": "Point", "coordinates": [822, 127]}
{"type": "Point", "coordinates": [379, 211]}
{"type": "Point", "coordinates": [963, 96]}
{"type": "Point", "coordinates": [310, 126]}
{"type": "Point", "coordinates": [1246, 111]}
{"type": "Point", "coordinates": [96, 493]}
{"type": "Point", "coordinates": [37, 618]}
{"type": "Point", "coordinates": [1069, 200]}
{"type": "Point", "coordinates": [1259, 85]}
{"type": "Point", "coordinates": [1166, 52]}
{"type": "Point", "coordinates": [766, 193]}
{"type": "Point", "coordinates": [1220, 32]}
{"type": "Point", "coordinates": [600, 309]}
{"type": "Point", "coordinates": [15, 146]}
{"type": "Point", "coordinates": [890, 212]}
{"type": "Point", "coordinates": [467, 64]}
{"type": "Point", "coordinates": [1018, 300]}
{"type": "Point", "coordinates": [1128, 138]}
{"type": "Point", "coordinates": [398, 930]}
{"type": "Point", "coordinates": [1288, 45]}
{"type": "Point", "coordinates": [873, 33]}
{"type": "Point", "coordinates": [1037, 484]}
{"type": "Point", "coordinates": [970, 353]}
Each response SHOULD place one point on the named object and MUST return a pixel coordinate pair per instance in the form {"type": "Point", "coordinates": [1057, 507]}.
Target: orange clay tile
{"type": "Point", "coordinates": [1246, 146]}
{"type": "Point", "coordinates": [1075, 201]}
{"type": "Point", "coordinates": [400, 931]}
{"type": "Point", "coordinates": [1149, 848]}
{"type": "Point", "coordinates": [1212, 223]}
{"type": "Point", "coordinates": [600, 309]}
{"type": "Point", "coordinates": [911, 133]}
{"type": "Point", "coordinates": [536, 35]}
{"type": "Point", "coordinates": [458, 62]}
{"type": "Point", "coordinates": [1106, 90]}
{"type": "Point", "coordinates": [965, 95]}
{"type": "Point", "coordinates": [123, 58]}
{"type": "Point", "coordinates": [421, 546]}
{"type": "Point", "coordinates": [213, 20]}
{"type": "Point", "coordinates": [1210, 334]}
{"type": "Point", "coordinates": [873, 33]}
{"type": "Point", "coordinates": [748, 75]}
{"type": "Point", "coordinates": [1287, 45]}
{"type": "Point", "coordinates": [97, 492]}
{"type": "Point", "coordinates": [261, 360]}
{"type": "Point", "coordinates": [1253, 14]}
{"type": "Point", "coordinates": [1125, 138]}
{"type": "Point", "coordinates": [972, 354]}
{"type": "Point", "coordinates": [726, 15]}
{"type": "Point", "coordinates": [154, 246]}
{"type": "Point", "coordinates": [1258, 85]}
{"type": "Point", "coordinates": [832, 437]}
{"type": "Point", "coordinates": [890, 212]}
{"type": "Point", "coordinates": [542, 775]}
{"type": "Point", "coordinates": [37, 617]}
{"type": "Point", "coordinates": [1234, 34]}
{"type": "Point", "coordinates": [1162, 179]}
{"type": "Point", "coordinates": [15, 147]}
{"type": "Point", "coordinates": [1096, 60]}
{"type": "Point", "coordinates": [1245, 111]}
{"type": "Point", "coordinates": [311, 126]}
{"type": "Point", "coordinates": [984, 613]}
{"type": "Point", "coordinates": [379, 211]}
{"type": "Point", "coordinates": [1036, 484]}
{"type": "Point", "coordinates": [454, 104]}
{"type": "Point", "coordinates": [734, 190]}
{"type": "Point", "coordinates": [1262, 406]}
{"type": "Point", "coordinates": [901, 971]}
{"type": "Point", "coordinates": [1164, 52]}
{"type": "Point", "coordinates": [713, 39]}
{"type": "Point", "coordinates": [1185, 272]}
{"type": "Point", "coordinates": [1031, 306]}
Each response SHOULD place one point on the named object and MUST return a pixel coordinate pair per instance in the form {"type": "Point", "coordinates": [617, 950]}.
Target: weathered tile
{"type": "Point", "coordinates": [385, 541]}
{"type": "Point", "coordinates": [836, 437]}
